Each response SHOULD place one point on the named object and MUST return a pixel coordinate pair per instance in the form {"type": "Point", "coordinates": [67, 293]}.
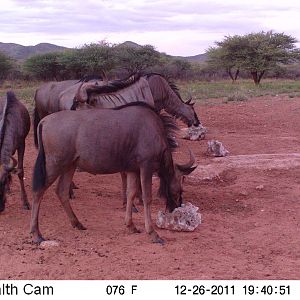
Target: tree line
{"type": "Point", "coordinates": [254, 55]}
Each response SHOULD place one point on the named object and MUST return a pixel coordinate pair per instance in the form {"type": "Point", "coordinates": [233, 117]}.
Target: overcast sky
{"type": "Point", "coordinates": [177, 27]}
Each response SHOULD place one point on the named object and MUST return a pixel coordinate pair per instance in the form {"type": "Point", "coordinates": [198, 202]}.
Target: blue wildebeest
{"type": "Point", "coordinates": [14, 127]}
{"type": "Point", "coordinates": [158, 89]}
{"type": "Point", "coordinates": [132, 138]}
{"type": "Point", "coordinates": [151, 88]}
{"type": "Point", "coordinates": [55, 96]}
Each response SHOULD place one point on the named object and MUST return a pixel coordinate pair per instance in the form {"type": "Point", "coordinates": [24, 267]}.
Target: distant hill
{"type": "Point", "coordinates": [196, 58]}
{"type": "Point", "coordinates": [21, 52]}
{"type": "Point", "coordinates": [130, 44]}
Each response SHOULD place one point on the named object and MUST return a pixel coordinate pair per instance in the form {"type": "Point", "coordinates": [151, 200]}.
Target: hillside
{"type": "Point", "coordinates": [130, 44]}
{"type": "Point", "coordinates": [21, 52]}
{"type": "Point", "coordinates": [196, 58]}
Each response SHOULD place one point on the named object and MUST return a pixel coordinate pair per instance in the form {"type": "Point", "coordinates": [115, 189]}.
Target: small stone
{"type": "Point", "coordinates": [194, 133]}
{"type": "Point", "coordinates": [184, 218]}
{"type": "Point", "coordinates": [216, 148]}
{"type": "Point", "coordinates": [244, 193]}
{"type": "Point", "coordinates": [49, 244]}
{"type": "Point", "coordinates": [260, 187]}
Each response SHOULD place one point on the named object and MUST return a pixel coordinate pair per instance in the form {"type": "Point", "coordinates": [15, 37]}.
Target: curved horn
{"type": "Point", "coordinates": [104, 77]}
{"type": "Point", "coordinates": [80, 96]}
{"type": "Point", "coordinates": [189, 99]}
{"type": "Point", "coordinates": [189, 167]}
{"type": "Point", "coordinates": [12, 164]}
{"type": "Point", "coordinates": [75, 104]}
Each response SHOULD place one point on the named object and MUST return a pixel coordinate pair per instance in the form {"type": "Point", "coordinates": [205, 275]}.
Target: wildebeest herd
{"type": "Point", "coordinates": [100, 127]}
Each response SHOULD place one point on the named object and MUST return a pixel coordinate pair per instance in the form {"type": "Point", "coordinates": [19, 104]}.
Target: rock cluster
{"type": "Point", "coordinates": [216, 148]}
{"type": "Point", "coordinates": [194, 133]}
{"type": "Point", "coordinates": [184, 218]}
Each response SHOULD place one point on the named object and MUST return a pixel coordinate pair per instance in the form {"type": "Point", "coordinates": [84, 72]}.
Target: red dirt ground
{"type": "Point", "coordinates": [250, 213]}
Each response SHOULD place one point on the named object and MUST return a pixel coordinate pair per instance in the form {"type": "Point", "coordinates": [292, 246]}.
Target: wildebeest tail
{"type": "Point", "coordinates": [39, 172]}
{"type": "Point", "coordinates": [165, 172]}
{"type": "Point", "coordinates": [36, 120]}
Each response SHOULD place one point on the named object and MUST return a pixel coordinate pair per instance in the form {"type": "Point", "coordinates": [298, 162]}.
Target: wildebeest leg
{"type": "Point", "coordinates": [132, 179]}
{"type": "Point", "coordinates": [124, 188]}
{"type": "Point", "coordinates": [139, 192]}
{"type": "Point", "coordinates": [146, 182]}
{"type": "Point", "coordinates": [74, 186]}
{"type": "Point", "coordinates": [124, 191]}
{"type": "Point", "coordinates": [34, 225]}
{"type": "Point", "coordinates": [24, 199]}
{"type": "Point", "coordinates": [71, 192]}
{"type": "Point", "coordinates": [36, 202]}
{"type": "Point", "coordinates": [62, 191]}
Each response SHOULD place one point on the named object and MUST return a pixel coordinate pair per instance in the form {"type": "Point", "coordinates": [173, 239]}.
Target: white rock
{"type": "Point", "coordinates": [260, 187]}
{"type": "Point", "coordinates": [216, 148]}
{"type": "Point", "coordinates": [194, 133]}
{"type": "Point", "coordinates": [184, 218]}
{"type": "Point", "coordinates": [48, 244]}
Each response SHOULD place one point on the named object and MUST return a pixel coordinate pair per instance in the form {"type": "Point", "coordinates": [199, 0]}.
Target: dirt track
{"type": "Point", "coordinates": [249, 203]}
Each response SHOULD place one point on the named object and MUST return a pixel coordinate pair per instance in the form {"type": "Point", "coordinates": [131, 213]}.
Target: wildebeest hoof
{"type": "Point", "coordinates": [156, 239]}
{"type": "Point", "coordinates": [71, 195]}
{"type": "Point", "coordinates": [79, 226]}
{"type": "Point", "coordinates": [134, 209]}
{"type": "Point", "coordinates": [159, 240]}
{"type": "Point", "coordinates": [133, 229]}
{"type": "Point", "coordinates": [26, 206]}
{"type": "Point", "coordinates": [74, 186]}
{"type": "Point", "coordinates": [38, 240]}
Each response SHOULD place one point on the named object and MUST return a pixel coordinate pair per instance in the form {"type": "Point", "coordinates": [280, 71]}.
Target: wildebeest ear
{"type": "Point", "coordinates": [186, 171]}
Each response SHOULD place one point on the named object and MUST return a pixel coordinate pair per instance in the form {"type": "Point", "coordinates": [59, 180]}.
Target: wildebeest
{"type": "Point", "coordinates": [164, 93]}
{"type": "Point", "coordinates": [55, 96]}
{"type": "Point", "coordinates": [151, 88]}
{"type": "Point", "coordinates": [14, 127]}
{"type": "Point", "coordinates": [132, 139]}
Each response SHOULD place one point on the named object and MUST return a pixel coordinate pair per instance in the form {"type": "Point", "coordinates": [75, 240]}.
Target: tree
{"type": "Point", "coordinates": [226, 56]}
{"type": "Point", "coordinates": [73, 63]}
{"type": "Point", "coordinates": [43, 66]}
{"type": "Point", "coordinates": [255, 52]}
{"type": "Point", "coordinates": [6, 64]}
{"type": "Point", "coordinates": [265, 51]}
{"type": "Point", "coordinates": [97, 57]}
{"type": "Point", "coordinates": [136, 58]}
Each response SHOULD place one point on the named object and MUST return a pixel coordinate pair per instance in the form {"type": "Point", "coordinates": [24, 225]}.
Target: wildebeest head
{"type": "Point", "coordinates": [5, 180]}
{"type": "Point", "coordinates": [190, 111]}
{"type": "Point", "coordinates": [81, 97]}
{"type": "Point", "coordinates": [173, 194]}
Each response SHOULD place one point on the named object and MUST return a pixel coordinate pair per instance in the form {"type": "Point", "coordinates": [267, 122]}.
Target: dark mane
{"type": "Point", "coordinates": [138, 103]}
{"type": "Point", "coordinates": [170, 82]}
{"type": "Point", "coordinates": [165, 173]}
{"type": "Point", "coordinates": [168, 122]}
{"type": "Point", "coordinates": [88, 78]}
{"type": "Point", "coordinates": [115, 85]}
{"type": "Point", "coordinates": [11, 100]}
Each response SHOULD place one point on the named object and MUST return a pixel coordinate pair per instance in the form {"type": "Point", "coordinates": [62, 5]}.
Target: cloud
{"type": "Point", "coordinates": [161, 23]}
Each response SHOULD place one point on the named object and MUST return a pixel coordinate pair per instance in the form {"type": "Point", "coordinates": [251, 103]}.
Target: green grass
{"type": "Point", "coordinates": [200, 90]}
{"type": "Point", "coordinates": [24, 91]}
{"type": "Point", "coordinates": [239, 91]}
